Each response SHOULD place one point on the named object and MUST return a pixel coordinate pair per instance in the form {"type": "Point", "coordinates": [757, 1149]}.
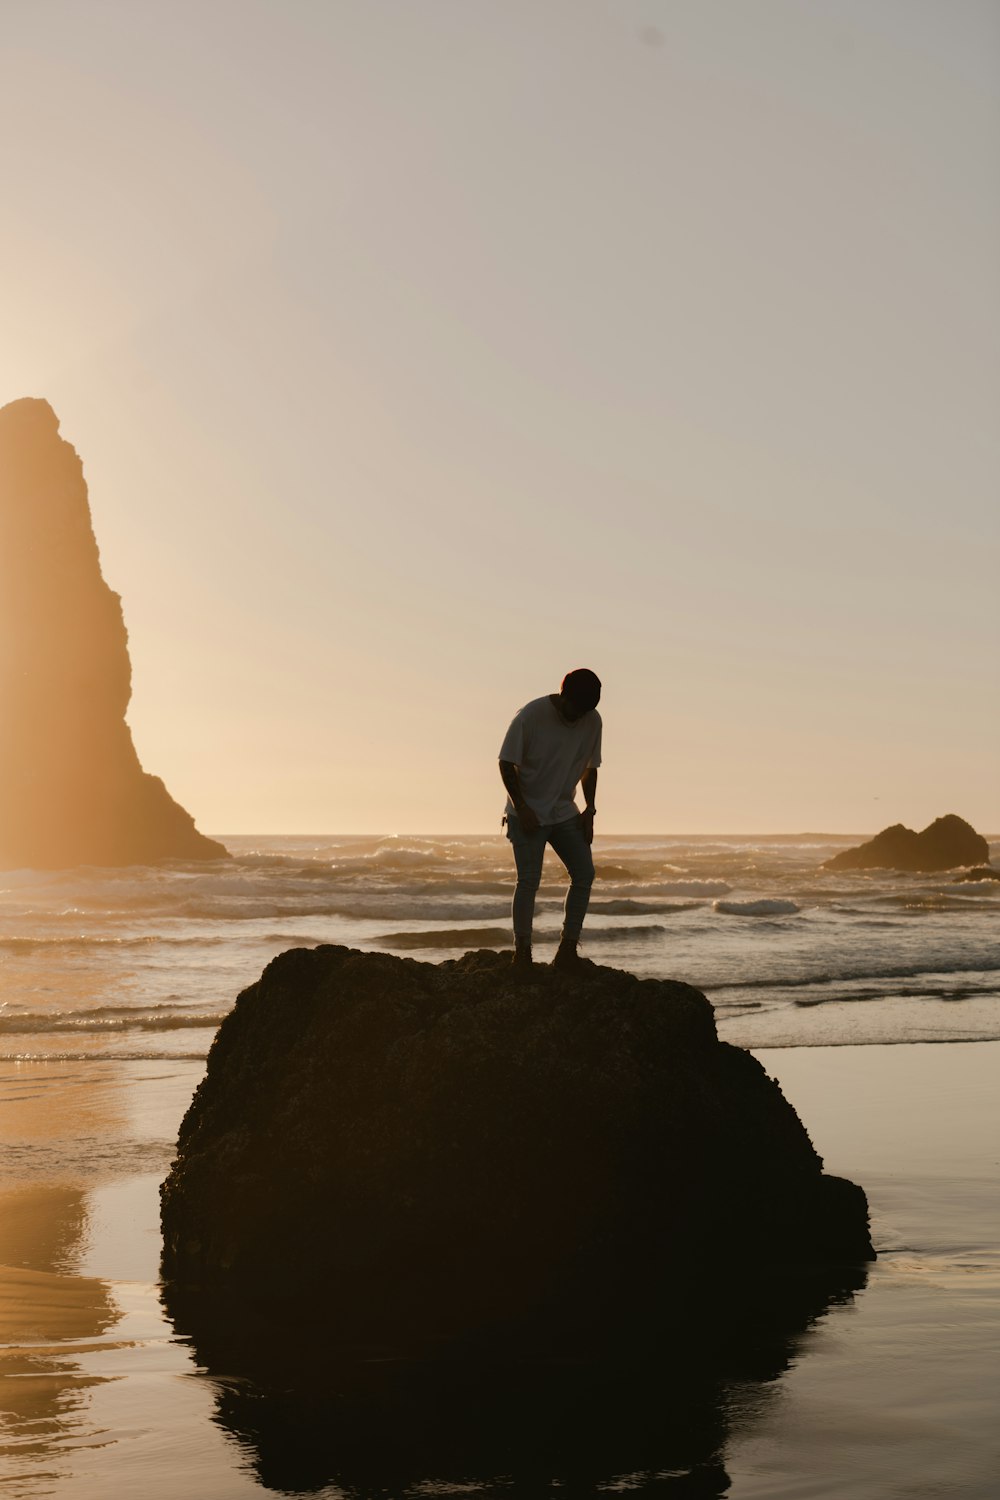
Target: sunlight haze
{"type": "Point", "coordinates": [419, 353]}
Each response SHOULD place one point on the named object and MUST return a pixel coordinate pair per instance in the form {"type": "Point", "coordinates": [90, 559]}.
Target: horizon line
{"type": "Point", "coordinates": [487, 833]}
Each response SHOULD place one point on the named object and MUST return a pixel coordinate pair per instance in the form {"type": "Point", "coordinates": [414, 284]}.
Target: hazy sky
{"type": "Point", "coordinates": [418, 351]}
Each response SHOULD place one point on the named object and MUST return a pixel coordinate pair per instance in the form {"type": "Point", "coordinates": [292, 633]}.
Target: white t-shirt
{"type": "Point", "coordinates": [551, 756]}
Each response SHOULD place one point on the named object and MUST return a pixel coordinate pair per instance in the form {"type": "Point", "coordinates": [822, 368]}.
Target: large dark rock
{"type": "Point", "coordinates": [72, 790]}
{"type": "Point", "coordinates": [942, 845]}
{"type": "Point", "coordinates": [447, 1144]}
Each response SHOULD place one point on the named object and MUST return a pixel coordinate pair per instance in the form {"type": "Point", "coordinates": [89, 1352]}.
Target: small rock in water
{"type": "Point", "coordinates": [943, 845]}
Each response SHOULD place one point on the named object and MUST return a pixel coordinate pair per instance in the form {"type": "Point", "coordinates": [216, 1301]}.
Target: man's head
{"type": "Point", "coordinates": [580, 692]}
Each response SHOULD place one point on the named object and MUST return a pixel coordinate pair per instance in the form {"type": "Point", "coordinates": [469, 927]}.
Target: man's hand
{"type": "Point", "coordinates": [588, 785]}
{"type": "Point", "coordinates": [527, 818]}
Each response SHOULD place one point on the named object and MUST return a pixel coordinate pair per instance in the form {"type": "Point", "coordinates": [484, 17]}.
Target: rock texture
{"type": "Point", "coordinates": [942, 845]}
{"type": "Point", "coordinates": [72, 790]}
{"type": "Point", "coordinates": [395, 1138]}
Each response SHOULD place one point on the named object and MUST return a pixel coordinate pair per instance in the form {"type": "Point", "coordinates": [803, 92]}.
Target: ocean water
{"type": "Point", "coordinates": [143, 963]}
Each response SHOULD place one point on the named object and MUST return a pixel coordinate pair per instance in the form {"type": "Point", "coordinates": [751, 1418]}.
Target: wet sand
{"type": "Point", "coordinates": [892, 1392]}
{"type": "Point", "coordinates": [898, 1394]}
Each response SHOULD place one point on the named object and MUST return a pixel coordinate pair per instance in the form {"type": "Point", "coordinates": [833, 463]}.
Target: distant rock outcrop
{"type": "Point", "coordinates": [977, 873]}
{"type": "Point", "coordinates": [72, 790]}
{"type": "Point", "coordinates": [446, 1144]}
{"type": "Point", "coordinates": [942, 845]}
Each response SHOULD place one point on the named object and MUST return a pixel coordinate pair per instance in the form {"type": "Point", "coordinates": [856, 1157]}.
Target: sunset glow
{"type": "Point", "coordinates": [416, 354]}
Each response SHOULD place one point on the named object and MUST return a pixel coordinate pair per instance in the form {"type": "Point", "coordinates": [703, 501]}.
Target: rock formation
{"type": "Point", "coordinates": [942, 845]}
{"type": "Point", "coordinates": [977, 873]}
{"type": "Point", "coordinates": [72, 790]}
{"type": "Point", "coordinates": [403, 1141]}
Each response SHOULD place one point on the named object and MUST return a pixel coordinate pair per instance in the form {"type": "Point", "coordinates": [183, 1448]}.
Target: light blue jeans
{"type": "Point", "coordinates": [570, 843]}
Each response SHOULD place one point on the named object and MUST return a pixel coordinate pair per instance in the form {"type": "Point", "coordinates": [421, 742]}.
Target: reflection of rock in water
{"type": "Point", "coordinates": [379, 1422]}
{"type": "Point", "coordinates": [72, 790]}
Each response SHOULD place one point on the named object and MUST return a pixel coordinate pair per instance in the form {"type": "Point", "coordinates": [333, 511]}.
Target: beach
{"type": "Point", "coordinates": [114, 984]}
{"type": "Point", "coordinates": [892, 1392]}
{"type": "Point", "coordinates": [523, 421]}
{"type": "Point", "coordinates": [896, 1394]}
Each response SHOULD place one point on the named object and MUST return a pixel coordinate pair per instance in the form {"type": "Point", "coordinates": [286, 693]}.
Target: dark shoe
{"type": "Point", "coordinates": [522, 954]}
{"type": "Point", "coordinates": [566, 955]}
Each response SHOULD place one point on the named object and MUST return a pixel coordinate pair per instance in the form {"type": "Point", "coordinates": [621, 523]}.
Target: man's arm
{"type": "Point", "coordinates": [588, 785]}
{"type": "Point", "coordinates": [508, 775]}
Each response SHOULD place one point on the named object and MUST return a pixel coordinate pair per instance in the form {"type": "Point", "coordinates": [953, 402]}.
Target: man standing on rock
{"type": "Point", "coordinates": [553, 743]}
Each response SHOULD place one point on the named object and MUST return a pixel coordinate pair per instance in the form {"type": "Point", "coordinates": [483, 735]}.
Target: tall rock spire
{"type": "Point", "coordinates": [72, 790]}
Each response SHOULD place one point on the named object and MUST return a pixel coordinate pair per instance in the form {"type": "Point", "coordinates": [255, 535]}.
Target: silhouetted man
{"type": "Point", "coordinates": [553, 743]}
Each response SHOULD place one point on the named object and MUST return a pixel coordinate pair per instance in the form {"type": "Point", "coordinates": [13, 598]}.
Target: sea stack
{"type": "Point", "coordinates": [945, 844]}
{"type": "Point", "coordinates": [72, 790]}
{"type": "Point", "coordinates": [463, 1147]}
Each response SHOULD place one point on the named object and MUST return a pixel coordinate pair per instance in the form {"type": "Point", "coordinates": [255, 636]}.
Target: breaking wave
{"type": "Point", "coordinates": [86, 941]}
{"type": "Point", "coordinates": [103, 1020]}
{"type": "Point", "coordinates": [704, 888]}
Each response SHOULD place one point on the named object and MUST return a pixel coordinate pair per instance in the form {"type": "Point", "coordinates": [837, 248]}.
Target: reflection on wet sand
{"type": "Point", "coordinates": [65, 1128]}
{"type": "Point", "coordinates": [47, 1319]}
{"type": "Point", "coordinates": [41, 1226]}
{"type": "Point", "coordinates": [649, 1414]}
